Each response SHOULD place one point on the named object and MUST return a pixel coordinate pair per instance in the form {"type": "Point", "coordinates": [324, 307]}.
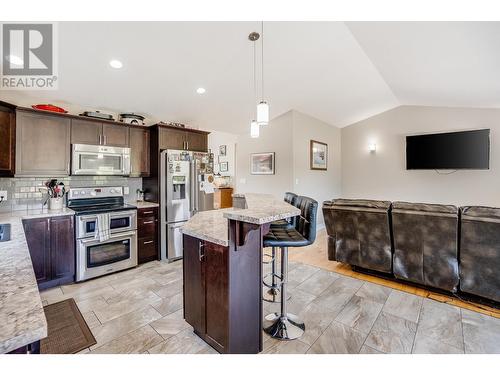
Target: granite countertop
{"type": "Point", "coordinates": [144, 204]}
{"type": "Point", "coordinates": [212, 225]}
{"type": "Point", "coordinates": [22, 320]}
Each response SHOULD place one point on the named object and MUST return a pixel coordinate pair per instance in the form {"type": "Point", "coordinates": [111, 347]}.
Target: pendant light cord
{"type": "Point", "coordinates": [254, 72]}
{"type": "Point", "coordinates": [262, 35]}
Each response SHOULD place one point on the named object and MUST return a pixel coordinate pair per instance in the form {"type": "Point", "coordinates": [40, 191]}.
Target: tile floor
{"type": "Point", "coordinates": [140, 311]}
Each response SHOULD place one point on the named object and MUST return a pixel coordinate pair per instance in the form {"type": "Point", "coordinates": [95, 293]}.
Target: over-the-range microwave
{"type": "Point", "coordinates": [93, 160]}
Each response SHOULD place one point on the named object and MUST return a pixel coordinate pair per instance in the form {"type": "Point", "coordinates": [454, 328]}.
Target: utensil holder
{"type": "Point", "coordinates": [56, 203]}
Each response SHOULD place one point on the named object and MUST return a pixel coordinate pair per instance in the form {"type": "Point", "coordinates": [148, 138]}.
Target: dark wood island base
{"type": "Point", "coordinates": [223, 289]}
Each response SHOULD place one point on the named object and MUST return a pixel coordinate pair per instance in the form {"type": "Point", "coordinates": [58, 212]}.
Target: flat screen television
{"type": "Point", "coordinates": [457, 150]}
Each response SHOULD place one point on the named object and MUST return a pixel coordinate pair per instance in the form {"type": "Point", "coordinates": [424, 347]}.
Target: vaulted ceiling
{"type": "Point", "coordinates": [337, 72]}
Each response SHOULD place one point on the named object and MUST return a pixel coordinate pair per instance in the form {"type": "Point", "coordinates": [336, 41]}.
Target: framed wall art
{"type": "Point", "coordinates": [262, 163]}
{"type": "Point", "coordinates": [319, 155]}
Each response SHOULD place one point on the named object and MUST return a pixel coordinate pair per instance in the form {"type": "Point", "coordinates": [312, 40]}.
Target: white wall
{"type": "Point", "coordinates": [275, 137]}
{"type": "Point", "coordinates": [320, 185]}
{"type": "Point", "coordinates": [216, 139]}
{"type": "Point", "coordinates": [383, 175]}
{"type": "Point", "coordinates": [289, 136]}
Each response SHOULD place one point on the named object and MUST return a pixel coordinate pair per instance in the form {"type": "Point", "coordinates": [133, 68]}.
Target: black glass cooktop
{"type": "Point", "coordinates": [97, 209]}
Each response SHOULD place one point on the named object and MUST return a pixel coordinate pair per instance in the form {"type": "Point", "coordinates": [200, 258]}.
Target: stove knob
{"type": "Point", "coordinates": [75, 193]}
{"type": "Point", "coordinates": [83, 193]}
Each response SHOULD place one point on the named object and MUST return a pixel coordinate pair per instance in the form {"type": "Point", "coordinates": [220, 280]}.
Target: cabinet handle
{"type": "Point", "coordinates": [149, 222]}
{"type": "Point", "coordinates": [105, 139]}
{"type": "Point", "coordinates": [148, 242]}
{"type": "Point", "coordinates": [187, 145]}
{"type": "Point", "coordinates": [147, 212]}
{"type": "Point", "coordinates": [201, 251]}
{"type": "Point", "coordinates": [100, 139]}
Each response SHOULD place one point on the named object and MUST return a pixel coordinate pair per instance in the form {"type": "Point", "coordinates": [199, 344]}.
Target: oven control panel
{"type": "Point", "coordinates": [95, 192]}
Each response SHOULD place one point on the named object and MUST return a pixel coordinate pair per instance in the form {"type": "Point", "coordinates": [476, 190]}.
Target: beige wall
{"type": "Point", "coordinates": [276, 137]}
{"type": "Point", "coordinates": [289, 137]}
{"type": "Point", "coordinates": [320, 185]}
{"type": "Point", "coordinates": [383, 175]}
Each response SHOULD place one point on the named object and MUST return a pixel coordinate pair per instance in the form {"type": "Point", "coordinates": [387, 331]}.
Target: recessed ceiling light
{"type": "Point", "coordinates": [117, 64]}
{"type": "Point", "coordinates": [201, 90]}
{"type": "Point", "coordinates": [16, 60]}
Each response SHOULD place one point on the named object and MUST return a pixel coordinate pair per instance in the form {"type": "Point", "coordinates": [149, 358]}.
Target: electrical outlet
{"type": "Point", "coordinates": [3, 194]}
{"type": "Point", "coordinates": [126, 190]}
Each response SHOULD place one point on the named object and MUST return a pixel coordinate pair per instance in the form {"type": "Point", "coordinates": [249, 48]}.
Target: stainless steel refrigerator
{"type": "Point", "coordinates": [186, 187]}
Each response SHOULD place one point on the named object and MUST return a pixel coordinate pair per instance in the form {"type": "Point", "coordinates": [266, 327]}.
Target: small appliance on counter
{"type": "Point", "coordinates": [98, 115]}
{"type": "Point", "coordinates": [132, 118]}
{"type": "Point", "coordinates": [106, 231]}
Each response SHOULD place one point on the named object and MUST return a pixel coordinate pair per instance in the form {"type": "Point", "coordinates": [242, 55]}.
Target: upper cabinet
{"type": "Point", "coordinates": [7, 140]}
{"type": "Point", "coordinates": [139, 152]}
{"type": "Point", "coordinates": [98, 133]}
{"type": "Point", "coordinates": [42, 144]}
{"type": "Point", "coordinates": [183, 139]}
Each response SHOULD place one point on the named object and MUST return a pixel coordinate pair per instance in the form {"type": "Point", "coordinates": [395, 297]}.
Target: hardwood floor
{"type": "Point", "coordinates": [140, 311]}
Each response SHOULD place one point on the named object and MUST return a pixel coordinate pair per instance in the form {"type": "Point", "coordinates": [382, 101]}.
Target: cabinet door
{"type": "Point", "coordinates": [194, 297]}
{"type": "Point", "coordinates": [197, 141]}
{"type": "Point", "coordinates": [215, 267]}
{"type": "Point", "coordinates": [38, 238]}
{"type": "Point", "coordinates": [62, 248]}
{"type": "Point", "coordinates": [7, 143]}
{"type": "Point", "coordinates": [172, 139]}
{"type": "Point", "coordinates": [86, 132]}
{"type": "Point", "coordinates": [42, 145]}
{"type": "Point", "coordinates": [115, 135]}
{"type": "Point", "coordinates": [139, 152]}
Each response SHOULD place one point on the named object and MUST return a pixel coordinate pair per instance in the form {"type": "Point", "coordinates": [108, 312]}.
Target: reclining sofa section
{"type": "Point", "coordinates": [426, 244]}
{"type": "Point", "coordinates": [480, 251]}
{"type": "Point", "coordinates": [359, 233]}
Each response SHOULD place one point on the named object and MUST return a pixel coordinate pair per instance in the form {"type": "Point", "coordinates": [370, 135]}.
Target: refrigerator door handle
{"type": "Point", "coordinates": [193, 183]}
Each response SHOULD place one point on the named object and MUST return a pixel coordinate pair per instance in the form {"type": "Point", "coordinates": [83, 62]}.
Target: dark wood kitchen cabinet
{"type": "Point", "coordinates": [147, 234]}
{"type": "Point", "coordinates": [7, 139]}
{"type": "Point", "coordinates": [139, 152]}
{"type": "Point", "coordinates": [206, 305]}
{"type": "Point", "coordinates": [183, 139]}
{"type": "Point", "coordinates": [42, 144]}
{"type": "Point", "coordinates": [91, 132]}
{"type": "Point", "coordinates": [51, 243]}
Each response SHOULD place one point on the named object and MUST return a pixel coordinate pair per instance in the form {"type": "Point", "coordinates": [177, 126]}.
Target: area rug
{"type": "Point", "coordinates": [68, 333]}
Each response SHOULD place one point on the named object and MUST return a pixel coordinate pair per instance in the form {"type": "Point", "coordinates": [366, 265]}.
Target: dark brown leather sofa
{"type": "Point", "coordinates": [426, 244]}
{"type": "Point", "coordinates": [359, 233]}
{"type": "Point", "coordinates": [480, 251]}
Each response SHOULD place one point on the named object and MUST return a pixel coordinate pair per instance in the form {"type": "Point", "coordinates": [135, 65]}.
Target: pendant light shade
{"type": "Point", "coordinates": [263, 113]}
{"type": "Point", "coordinates": [254, 129]}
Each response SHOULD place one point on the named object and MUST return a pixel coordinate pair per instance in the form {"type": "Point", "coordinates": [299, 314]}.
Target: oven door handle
{"type": "Point", "coordinates": [112, 238]}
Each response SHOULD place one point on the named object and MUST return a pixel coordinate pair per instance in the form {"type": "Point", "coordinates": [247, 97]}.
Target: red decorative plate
{"type": "Point", "coordinates": [49, 107]}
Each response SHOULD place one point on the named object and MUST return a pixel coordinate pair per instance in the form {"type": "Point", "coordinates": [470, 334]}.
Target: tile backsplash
{"type": "Point", "coordinates": [23, 193]}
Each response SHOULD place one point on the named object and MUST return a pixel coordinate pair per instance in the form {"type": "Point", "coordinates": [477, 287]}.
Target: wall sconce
{"type": "Point", "coordinates": [372, 147]}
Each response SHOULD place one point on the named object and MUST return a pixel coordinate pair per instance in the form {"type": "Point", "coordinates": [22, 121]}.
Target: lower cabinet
{"type": "Point", "coordinates": [206, 290]}
{"type": "Point", "coordinates": [51, 242]}
{"type": "Point", "coordinates": [147, 234]}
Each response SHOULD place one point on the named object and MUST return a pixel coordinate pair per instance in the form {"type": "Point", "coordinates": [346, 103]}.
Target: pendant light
{"type": "Point", "coordinates": [254, 126]}
{"type": "Point", "coordinates": [262, 107]}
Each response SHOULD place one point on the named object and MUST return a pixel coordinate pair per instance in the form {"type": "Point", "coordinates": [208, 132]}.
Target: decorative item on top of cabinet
{"type": "Point", "coordinates": [42, 144]}
{"type": "Point", "coordinates": [7, 139]}
{"type": "Point", "coordinates": [147, 234]}
{"type": "Point", "coordinates": [51, 243]}
{"type": "Point", "coordinates": [139, 152]}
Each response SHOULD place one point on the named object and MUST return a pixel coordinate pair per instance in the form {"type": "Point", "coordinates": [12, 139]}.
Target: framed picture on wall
{"type": "Point", "coordinates": [262, 163]}
{"type": "Point", "coordinates": [319, 155]}
{"type": "Point", "coordinates": [222, 150]}
{"type": "Point", "coordinates": [224, 166]}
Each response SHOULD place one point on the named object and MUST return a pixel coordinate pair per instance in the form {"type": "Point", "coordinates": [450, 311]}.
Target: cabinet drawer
{"type": "Point", "coordinates": [147, 249]}
{"type": "Point", "coordinates": [146, 226]}
{"type": "Point", "coordinates": [147, 212]}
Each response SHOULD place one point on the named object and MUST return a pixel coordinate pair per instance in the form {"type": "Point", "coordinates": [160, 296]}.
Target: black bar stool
{"type": "Point", "coordinates": [283, 325]}
{"type": "Point", "coordinates": [274, 286]}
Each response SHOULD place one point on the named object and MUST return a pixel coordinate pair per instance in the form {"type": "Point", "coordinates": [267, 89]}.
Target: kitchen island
{"type": "Point", "coordinates": [223, 271]}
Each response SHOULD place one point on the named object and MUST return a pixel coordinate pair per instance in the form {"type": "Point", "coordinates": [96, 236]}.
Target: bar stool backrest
{"type": "Point", "coordinates": [305, 224]}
